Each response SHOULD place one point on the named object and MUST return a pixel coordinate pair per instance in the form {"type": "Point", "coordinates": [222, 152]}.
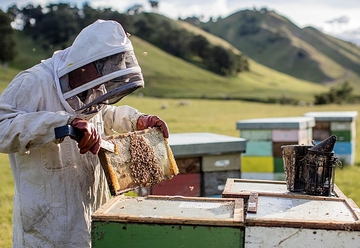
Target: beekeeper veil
{"type": "Point", "coordinates": [104, 47]}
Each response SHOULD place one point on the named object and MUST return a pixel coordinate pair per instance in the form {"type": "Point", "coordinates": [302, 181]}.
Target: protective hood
{"type": "Point", "coordinates": [105, 45]}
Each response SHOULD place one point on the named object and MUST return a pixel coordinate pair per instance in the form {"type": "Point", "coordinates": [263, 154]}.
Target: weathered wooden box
{"type": "Point", "coordinates": [182, 184]}
{"type": "Point", "coordinates": [212, 157]}
{"type": "Point", "coordinates": [187, 183]}
{"type": "Point", "coordinates": [214, 181]}
{"type": "Point", "coordinates": [188, 165]}
{"type": "Point", "coordinates": [159, 221]}
{"type": "Point", "coordinates": [225, 162]}
{"type": "Point", "coordinates": [189, 145]}
{"type": "Point", "coordinates": [292, 221]}
{"type": "Point", "coordinates": [241, 188]}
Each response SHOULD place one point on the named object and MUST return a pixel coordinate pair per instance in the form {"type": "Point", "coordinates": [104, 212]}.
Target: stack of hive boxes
{"type": "Point", "coordinates": [264, 138]}
{"type": "Point", "coordinates": [343, 125]}
{"type": "Point", "coordinates": [168, 221]}
{"type": "Point", "coordinates": [205, 161]}
{"type": "Point", "coordinates": [275, 217]}
{"type": "Point", "coordinates": [250, 214]}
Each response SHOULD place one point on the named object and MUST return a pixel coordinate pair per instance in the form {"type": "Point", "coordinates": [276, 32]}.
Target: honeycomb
{"type": "Point", "coordinates": [141, 159]}
{"type": "Point", "coordinates": [143, 162]}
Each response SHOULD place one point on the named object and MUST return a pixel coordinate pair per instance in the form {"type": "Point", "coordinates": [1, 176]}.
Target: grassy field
{"type": "Point", "coordinates": [215, 116]}
{"type": "Point", "coordinates": [6, 201]}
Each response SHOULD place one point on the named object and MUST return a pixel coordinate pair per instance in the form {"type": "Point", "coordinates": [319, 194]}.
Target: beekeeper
{"type": "Point", "coordinates": [58, 185]}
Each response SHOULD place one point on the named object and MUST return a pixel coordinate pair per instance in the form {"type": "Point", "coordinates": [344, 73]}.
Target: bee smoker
{"type": "Point", "coordinates": [319, 164]}
{"type": "Point", "coordinates": [294, 165]}
{"type": "Point", "coordinates": [310, 168]}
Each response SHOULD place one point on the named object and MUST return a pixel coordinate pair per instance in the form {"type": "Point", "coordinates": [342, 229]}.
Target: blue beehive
{"type": "Point", "coordinates": [342, 124]}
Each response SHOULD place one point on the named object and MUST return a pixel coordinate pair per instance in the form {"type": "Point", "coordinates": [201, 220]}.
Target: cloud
{"type": "Point", "coordinates": [340, 20]}
{"type": "Point", "coordinates": [321, 14]}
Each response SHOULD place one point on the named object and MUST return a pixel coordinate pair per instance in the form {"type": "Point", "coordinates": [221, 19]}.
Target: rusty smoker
{"type": "Point", "coordinates": [311, 168]}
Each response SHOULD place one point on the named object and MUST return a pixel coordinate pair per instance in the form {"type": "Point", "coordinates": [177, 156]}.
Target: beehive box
{"type": "Point", "coordinates": [214, 182]}
{"type": "Point", "coordinates": [186, 183]}
{"type": "Point", "coordinates": [159, 221]}
{"type": "Point", "coordinates": [181, 185]}
{"type": "Point", "coordinates": [292, 221]}
{"type": "Point", "coordinates": [188, 165]}
{"type": "Point", "coordinates": [212, 157]}
{"type": "Point", "coordinates": [343, 125]}
{"type": "Point", "coordinates": [187, 145]}
{"type": "Point", "coordinates": [265, 136]}
{"type": "Point", "coordinates": [241, 188]}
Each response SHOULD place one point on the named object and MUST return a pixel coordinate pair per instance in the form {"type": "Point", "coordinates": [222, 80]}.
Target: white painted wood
{"type": "Point", "coordinates": [347, 116]}
{"type": "Point", "coordinates": [236, 188]}
{"type": "Point", "coordinates": [263, 175]}
{"type": "Point", "coordinates": [172, 210]}
{"type": "Point", "coordinates": [299, 122]}
{"type": "Point", "coordinates": [267, 237]}
{"type": "Point", "coordinates": [265, 134]}
{"type": "Point", "coordinates": [239, 186]}
{"type": "Point", "coordinates": [306, 211]}
{"type": "Point", "coordinates": [283, 135]}
{"type": "Point", "coordinates": [222, 162]}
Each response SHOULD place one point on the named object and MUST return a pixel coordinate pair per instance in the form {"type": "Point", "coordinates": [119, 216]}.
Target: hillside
{"type": "Point", "coordinates": [167, 76]}
{"type": "Point", "coordinates": [345, 53]}
{"type": "Point", "coordinates": [274, 41]}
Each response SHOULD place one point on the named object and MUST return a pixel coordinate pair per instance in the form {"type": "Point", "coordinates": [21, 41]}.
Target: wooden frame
{"type": "Point", "coordinates": [306, 213]}
{"type": "Point", "coordinates": [275, 188]}
{"type": "Point", "coordinates": [112, 210]}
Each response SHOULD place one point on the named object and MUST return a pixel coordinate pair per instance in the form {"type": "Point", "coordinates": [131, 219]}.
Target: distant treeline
{"type": "Point", "coordinates": [56, 25]}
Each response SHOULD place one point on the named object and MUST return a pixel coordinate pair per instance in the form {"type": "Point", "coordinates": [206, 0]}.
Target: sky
{"type": "Point", "coordinates": [335, 17]}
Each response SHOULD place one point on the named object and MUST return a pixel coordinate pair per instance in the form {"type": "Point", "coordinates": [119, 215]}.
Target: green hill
{"type": "Point", "coordinates": [170, 77]}
{"type": "Point", "coordinates": [344, 53]}
{"type": "Point", "coordinates": [274, 41]}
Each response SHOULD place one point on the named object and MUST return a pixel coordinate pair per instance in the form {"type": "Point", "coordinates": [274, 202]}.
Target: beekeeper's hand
{"type": "Point", "coordinates": [146, 121]}
{"type": "Point", "coordinates": [90, 140]}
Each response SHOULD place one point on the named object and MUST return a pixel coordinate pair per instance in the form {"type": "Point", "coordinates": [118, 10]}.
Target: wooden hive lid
{"type": "Point", "coordinates": [173, 210]}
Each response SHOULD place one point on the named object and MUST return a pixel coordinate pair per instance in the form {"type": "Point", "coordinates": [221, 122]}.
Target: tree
{"type": "Point", "coordinates": [220, 60]}
{"type": "Point", "coordinates": [58, 26]}
{"type": "Point", "coordinates": [337, 94]}
{"type": "Point", "coordinates": [7, 41]}
{"type": "Point", "coordinates": [199, 46]}
{"type": "Point", "coordinates": [154, 5]}
{"type": "Point", "coordinates": [31, 15]}
{"type": "Point", "coordinates": [134, 10]}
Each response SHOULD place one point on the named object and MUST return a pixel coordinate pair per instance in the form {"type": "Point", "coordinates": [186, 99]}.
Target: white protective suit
{"type": "Point", "coordinates": [57, 188]}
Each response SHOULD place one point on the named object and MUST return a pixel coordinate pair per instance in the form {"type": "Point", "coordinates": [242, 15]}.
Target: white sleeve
{"type": "Point", "coordinates": [121, 119]}
{"type": "Point", "coordinates": [24, 123]}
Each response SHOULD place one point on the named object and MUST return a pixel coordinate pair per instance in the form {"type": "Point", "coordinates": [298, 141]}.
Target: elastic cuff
{"type": "Point", "coordinates": [71, 119]}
